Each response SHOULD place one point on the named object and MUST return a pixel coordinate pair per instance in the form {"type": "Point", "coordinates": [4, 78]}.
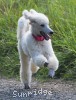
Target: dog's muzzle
{"type": "Point", "coordinates": [46, 36]}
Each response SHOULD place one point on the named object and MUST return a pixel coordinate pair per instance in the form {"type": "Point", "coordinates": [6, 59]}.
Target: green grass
{"type": "Point", "coordinates": [62, 16]}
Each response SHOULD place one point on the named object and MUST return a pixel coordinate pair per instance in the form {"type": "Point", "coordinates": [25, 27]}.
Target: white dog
{"type": "Point", "coordinates": [34, 45]}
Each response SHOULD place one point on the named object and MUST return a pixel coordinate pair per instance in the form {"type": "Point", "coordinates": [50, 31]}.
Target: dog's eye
{"type": "Point", "coordinates": [42, 25]}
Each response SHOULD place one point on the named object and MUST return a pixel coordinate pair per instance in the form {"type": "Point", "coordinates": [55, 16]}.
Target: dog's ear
{"type": "Point", "coordinates": [28, 15]}
{"type": "Point", "coordinates": [33, 11]}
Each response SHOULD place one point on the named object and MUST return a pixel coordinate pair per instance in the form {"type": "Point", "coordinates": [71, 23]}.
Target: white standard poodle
{"type": "Point", "coordinates": [34, 46]}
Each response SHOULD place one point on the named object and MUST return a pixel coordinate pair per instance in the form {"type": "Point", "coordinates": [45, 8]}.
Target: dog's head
{"type": "Point", "coordinates": [39, 23]}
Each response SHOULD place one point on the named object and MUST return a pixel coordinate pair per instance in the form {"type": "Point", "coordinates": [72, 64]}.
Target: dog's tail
{"type": "Point", "coordinates": [23, 26]}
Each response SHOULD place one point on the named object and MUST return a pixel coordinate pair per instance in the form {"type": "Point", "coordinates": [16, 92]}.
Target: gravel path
{"type": "Point", "coordinates": [11, 89]}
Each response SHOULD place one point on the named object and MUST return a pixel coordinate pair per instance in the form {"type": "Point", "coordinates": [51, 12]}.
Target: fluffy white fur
{"type": "Point", "coordinates": [33, 53]}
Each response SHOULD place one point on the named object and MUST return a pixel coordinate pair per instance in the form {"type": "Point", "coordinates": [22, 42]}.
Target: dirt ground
{"type": "Point", "coordinates": [12, 89]}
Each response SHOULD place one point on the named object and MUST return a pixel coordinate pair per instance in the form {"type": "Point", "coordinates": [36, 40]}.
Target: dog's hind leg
{"type": "Point", "coordinates": [34, 68]}
{"type": "Point", "coordinates": [25, 70]}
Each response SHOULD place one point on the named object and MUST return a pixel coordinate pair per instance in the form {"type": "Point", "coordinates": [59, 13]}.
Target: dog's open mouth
{"type": "Point", "coordinates": [46, 36]}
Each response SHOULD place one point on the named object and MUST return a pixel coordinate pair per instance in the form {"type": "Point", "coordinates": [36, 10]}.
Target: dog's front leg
{"type": "Point", "coordinates": [53, 65]}
{"type": "Point", "coordinates": [40, 60]}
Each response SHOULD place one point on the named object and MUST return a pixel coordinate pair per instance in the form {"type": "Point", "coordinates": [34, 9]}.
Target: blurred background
{"type": "Point", "coordinates": [62, 16]}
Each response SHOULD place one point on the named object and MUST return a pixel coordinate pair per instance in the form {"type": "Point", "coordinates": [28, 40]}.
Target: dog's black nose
{"type": "Point", "coordinates": [51, 32]}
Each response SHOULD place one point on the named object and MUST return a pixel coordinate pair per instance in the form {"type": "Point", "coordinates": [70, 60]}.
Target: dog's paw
{"type": "Point", "coordinates": [46, 64]}
{"type": "Point", "coordinates": [26, 86]}
{"type": "Point", "coordinates": [51, 72]}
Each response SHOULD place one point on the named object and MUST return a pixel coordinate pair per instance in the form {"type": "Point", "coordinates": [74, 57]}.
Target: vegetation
{"type": "Point", "coordinates": [62, 16]}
